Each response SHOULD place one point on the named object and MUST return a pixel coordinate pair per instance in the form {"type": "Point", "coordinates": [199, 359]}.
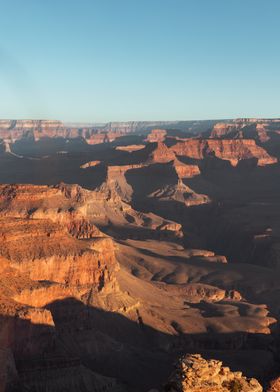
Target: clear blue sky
{"type": "Point", "coordinates": [105, 60]}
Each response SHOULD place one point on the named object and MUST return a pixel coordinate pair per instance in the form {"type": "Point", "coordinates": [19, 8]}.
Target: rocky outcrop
{"type": "Point", "coordinates": [180, 193]}
{"type": "Point", "coordinates": [112, 205]}
{"type": "Point", "coordinates": [161, 154]}
{"type": "Point", "coordinates": [116, 188]}
{"type": "Point", "coordinates": [226, 130]}
{"type": "Point", "coordinates": [196, 374]}
{"type": "Point", "coordinates": [157, 153]}
{"type": "Point", "coordinates": [157, 135]}
{"type": "Point", "coordinates": [234, 150]}
{"type": "Point", "coordinates": [184, 170]}
{"type": "Point", "coordinates": [274, 385]}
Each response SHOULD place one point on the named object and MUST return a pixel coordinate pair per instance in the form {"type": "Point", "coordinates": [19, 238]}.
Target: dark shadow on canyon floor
{"type": "Point", "coordinates": [110, 344]}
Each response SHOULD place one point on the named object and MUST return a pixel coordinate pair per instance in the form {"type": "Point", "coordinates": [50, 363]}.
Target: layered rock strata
{"type": "Point", "coordinates": [233, 151]}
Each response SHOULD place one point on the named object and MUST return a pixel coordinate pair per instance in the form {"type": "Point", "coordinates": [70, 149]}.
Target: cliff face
{"type": "Point", "coordinates": [116, 186]}
{"type": "Point", "coordinates": [49, 252]}
{"type": "Point", "coordinates": [233, 150]}
{"type": "Point", "coordinates": [221, 130]}
{"type": "Point", "coordinates": [13, 130]}
{"type": "Point", "coordinates": [185, 171]}
{"type": "Point", "coordinates": [160, 153]}
{"type": "Point", "coordinates": [61, 215]}
{"type": "Point", "coordinates": [98, 137]}
{"type": "Point", "coordinates": [260, 130]}
{"type": "Point", "coordinates": [140, 126]}
{"type": "Point", "coordinates": [41, 234]}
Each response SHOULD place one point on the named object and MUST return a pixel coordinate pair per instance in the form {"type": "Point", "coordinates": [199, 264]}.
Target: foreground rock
{"type": "Point", "coordinates": [274, 385]}
{"type": "Point", "coordinates": [195, 374]}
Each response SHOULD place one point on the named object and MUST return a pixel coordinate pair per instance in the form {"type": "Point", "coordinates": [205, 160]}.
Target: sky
{"type": "Point", "coordinates": [122, 60]}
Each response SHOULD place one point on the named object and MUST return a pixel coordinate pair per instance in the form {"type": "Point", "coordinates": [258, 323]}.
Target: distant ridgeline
{"type": "Point", "coordinates": [13, 130]}
{"type": "Point", "coordinates": [96, 133]}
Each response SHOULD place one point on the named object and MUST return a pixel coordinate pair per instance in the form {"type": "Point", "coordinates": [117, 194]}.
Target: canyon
{"type": "Point", "coordinates": [128, 247]}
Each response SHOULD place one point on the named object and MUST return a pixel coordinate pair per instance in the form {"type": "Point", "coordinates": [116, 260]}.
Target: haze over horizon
{"type": "Point", "coordinates": [89, 61]}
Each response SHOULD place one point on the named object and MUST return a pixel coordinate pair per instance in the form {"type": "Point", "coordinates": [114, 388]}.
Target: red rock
{"type": "Point", "coordinates": [274, 386]}
{"type": "Point", "coordinates": [131, 147]}
{"type": "Point", "coordinates": [232, 150]}
{"type": "Point", "coordinates": [161, 154]}
{"type": "Point", "coordinates": [157, 135]}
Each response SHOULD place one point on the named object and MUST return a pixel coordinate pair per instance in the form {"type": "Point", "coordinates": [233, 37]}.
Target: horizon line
{"type": "Point", "coordinates": [131, 121]}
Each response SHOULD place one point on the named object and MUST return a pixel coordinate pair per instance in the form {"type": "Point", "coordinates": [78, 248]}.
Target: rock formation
{"type": "Point", "coordinates": [14, 130]}
{"type": "Point", "coordinates": [49, 252]}
{"type": "Point", "coordinates": [234, 150]}
{"type": "Point", "coordinates": [161, 153]}
{"type": "Point", "coordinates": [261, 130]}
{"type": "Point", "coordinates": [185, 170]}
{"type": "Point", "coordinates": [195, 374]}
{"type": "Point", "coordinates": [157, 135]}
{"type": "Point", "coordinates": [112, 202]}
{"type": "Point", "coordinates": [180, 193]}
{"type": "Point", "coordinates": [274, 386]}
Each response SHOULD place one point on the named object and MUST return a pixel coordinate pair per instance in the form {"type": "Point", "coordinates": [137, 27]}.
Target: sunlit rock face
{"type": "Point", "coordinates": [261, 130]}
{"type": "Point", "coordinates": [49, 252]}
{"type": "Point", "coordinates": [233, 151]}
{"type": "Point", "coordinates": [195, 374]}
{"type": "Point", "coordinates": [157, 135]}
{"type": "Point", "coordinates": [42, 231]}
